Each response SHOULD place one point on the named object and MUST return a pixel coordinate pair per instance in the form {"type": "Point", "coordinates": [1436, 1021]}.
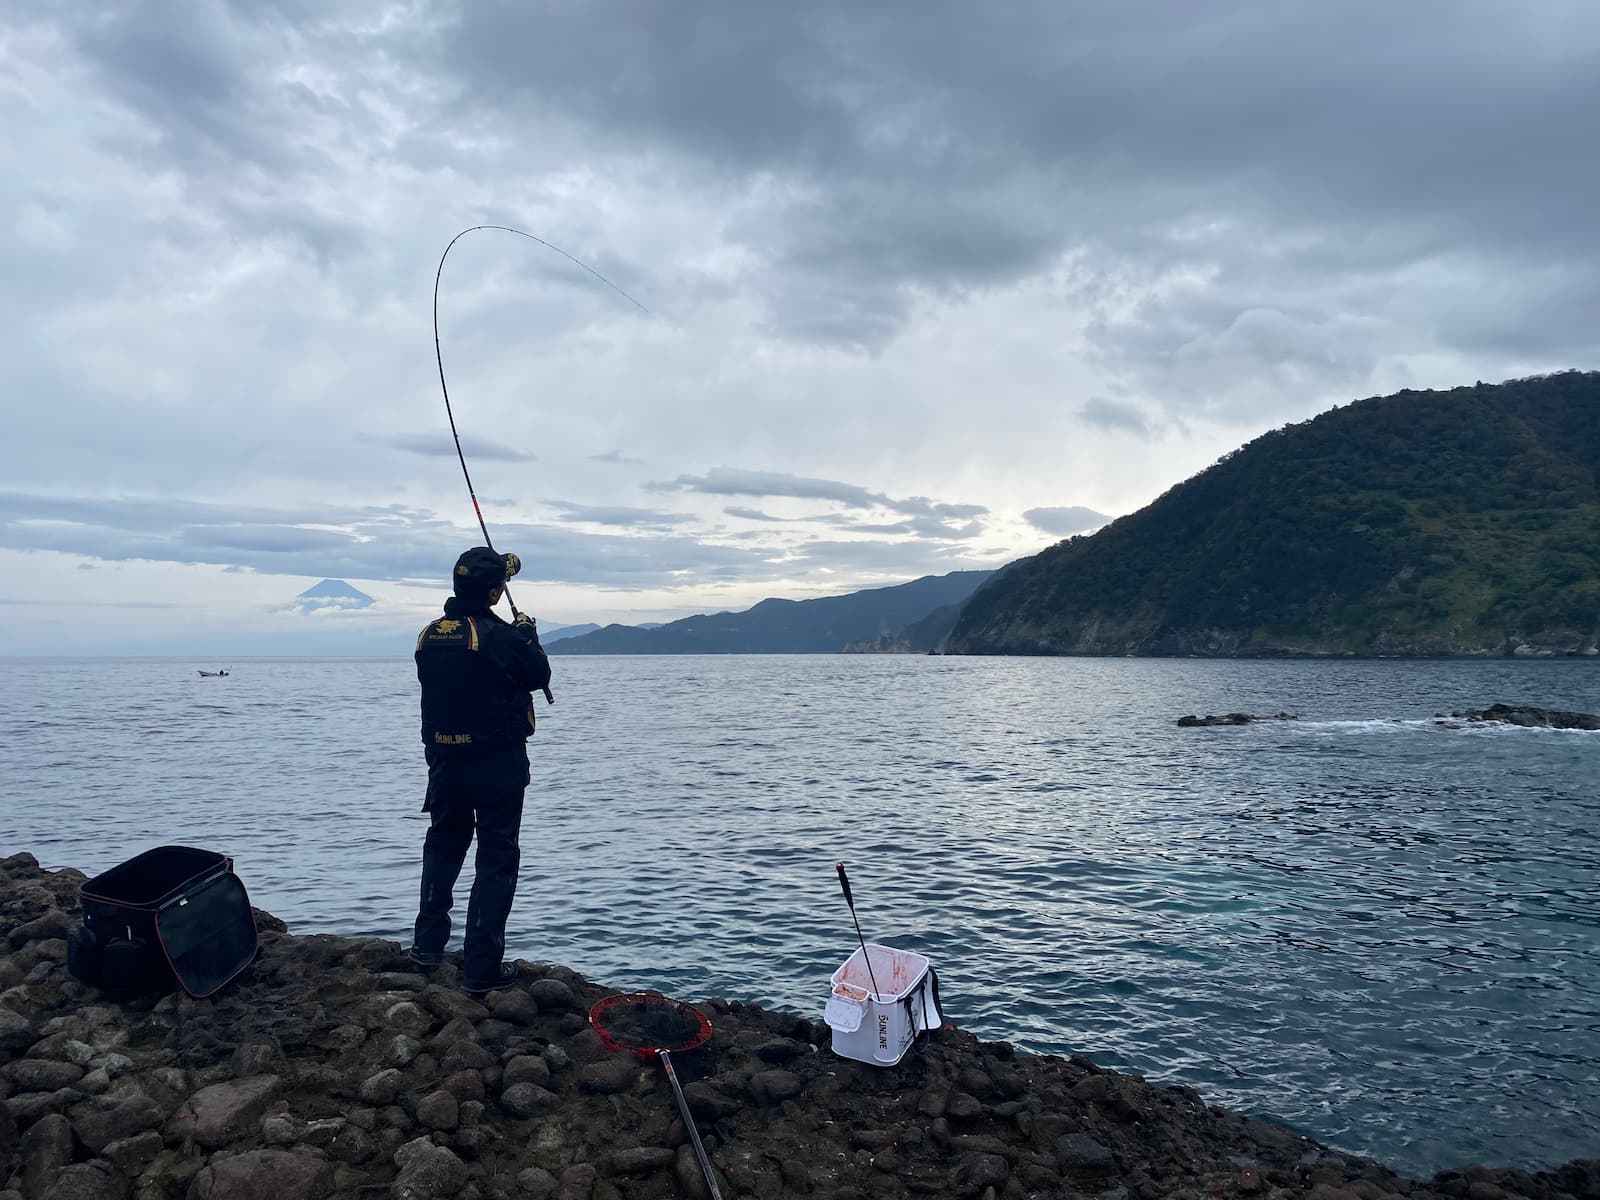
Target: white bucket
{"type": "Point", "coordinates": [878, 1027]}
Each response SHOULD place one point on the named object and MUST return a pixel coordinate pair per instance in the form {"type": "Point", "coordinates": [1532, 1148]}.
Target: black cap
{"type": "Point", "coordinates": [480, 570]}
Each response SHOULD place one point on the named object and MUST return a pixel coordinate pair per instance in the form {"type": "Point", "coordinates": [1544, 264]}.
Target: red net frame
{"type": "Point", "coordinates": [608, 1013]}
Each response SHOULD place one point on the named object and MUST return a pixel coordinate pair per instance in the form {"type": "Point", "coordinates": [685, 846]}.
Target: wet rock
{"type": "Point", "coordinates": [554, 996]}
{"type": "Point", "coordinates": [607, 1078]}
{"type": "Point", "coordinates": [577, 1182]}
{"type": "Point", "coordinates": [15, 1031]}
{"type": "Point", "coordinates": [407, 1017]}
{"type": "Point", "coordinates": [1530, 717]}
{"type": "Point", "coordinates": [52, 925]}
{"type": "Point", "coordinates": [382, 1088]}
{"type": "Point", "coordinates": [132, 1155]}
{"type": "Point", "coordinates": [41, 1074]}
{"type": "Point", "coordinates": [264, 1175]}
{"type": "Point", "coordinates": [1080, 1154]}
{"type": "Point", "coordinates": [585, 1046]}
{"type": "Point", "coordinates": [87, 1181]}
{"type": "Point", "coordinates": [514, 1005]}
{"type": "Point", "coordinates": [467, 1056]}
{"type": "Point", "coordinates": [46, 1148]}
{"type": "Point", "coordinates": [98, 1129]}
{"type": "Point", "coordinates": [781, 1050]}
{"type": "Point", "coordinates": [455, 1031]}
{"type": "Point", "coordinates": [976, 1172]}
{"type": "Point", "coordinates": [526, 1068]}
{"type": "Point", "coordinates": [427, 1171]}
{"type": "Point", "coordinates": [964, 1107]}
{"type": "Point", "coordinates": [527, 1100]}
{"type": "Point", "coordinates": [450, 1005]}
{"type": "Point", "coordinates": [402, 1050]}
{"type": "Point", "coordinates": [774, 1087]}
{"type": "Point", "coordinates": [465, 1085]}
{"type": "Point", "coordinates": [1237, 718]}
{"type": "Point", "coordinates": [536, 1183]}
{"type": "Point", "coordinates": [439, 1110]}
{"type": "Point", "coordinates": [640, 1160]}
{"type": "Point", "coordinates": [224, 1111]}
{"type": "Point", "coordinates": [30, 1106]}
{"type": "Point", "coordinates": [353, 1145]}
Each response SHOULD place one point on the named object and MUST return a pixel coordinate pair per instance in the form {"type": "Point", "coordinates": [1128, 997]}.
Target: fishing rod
{"type": "Point", "coordinates": [844, 884]}
{"type": "Point", "coordinates": [438, 355]}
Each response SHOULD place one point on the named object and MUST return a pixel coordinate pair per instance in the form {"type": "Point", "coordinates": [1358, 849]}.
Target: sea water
{"type": "Point", "coordinates": [1379, 929]}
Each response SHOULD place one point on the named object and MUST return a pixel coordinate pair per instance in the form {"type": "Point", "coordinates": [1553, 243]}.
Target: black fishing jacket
{"type": "Point", "coordinates": [478, 675]}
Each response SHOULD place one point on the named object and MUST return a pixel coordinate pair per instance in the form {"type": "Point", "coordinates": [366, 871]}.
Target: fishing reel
{"type": "Point", "coordinates": [513, 564]}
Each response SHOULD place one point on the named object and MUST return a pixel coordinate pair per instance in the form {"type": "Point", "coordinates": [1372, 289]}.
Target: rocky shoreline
{"type": "Point", "coordinates": [334, 1070]}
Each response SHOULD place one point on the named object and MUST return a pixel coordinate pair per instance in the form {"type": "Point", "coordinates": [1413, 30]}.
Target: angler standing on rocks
{"type": "Point", "coordinates": [478, 674]}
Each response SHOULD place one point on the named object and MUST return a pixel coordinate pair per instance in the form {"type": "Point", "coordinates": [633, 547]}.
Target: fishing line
{"type": "Point", "coordinates": [438, 355]}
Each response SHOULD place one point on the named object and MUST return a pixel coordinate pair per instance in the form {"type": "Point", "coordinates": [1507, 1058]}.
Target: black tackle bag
{"type": "Point", "coordinates": [170, 915]}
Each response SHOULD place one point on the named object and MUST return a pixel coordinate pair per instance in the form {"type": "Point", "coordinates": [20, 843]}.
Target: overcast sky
{"type": "Point", "coordinates": [929, 286]}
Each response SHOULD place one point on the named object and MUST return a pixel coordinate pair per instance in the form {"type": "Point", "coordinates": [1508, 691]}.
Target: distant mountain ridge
{"type": "Point", "coordinates": [821, 626]}
{"type": "Point", "coordinates": [1464, 522]}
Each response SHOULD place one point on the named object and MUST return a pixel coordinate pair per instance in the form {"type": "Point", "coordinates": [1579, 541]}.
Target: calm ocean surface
{"type": "Point", "coordinates": [1380, 931]}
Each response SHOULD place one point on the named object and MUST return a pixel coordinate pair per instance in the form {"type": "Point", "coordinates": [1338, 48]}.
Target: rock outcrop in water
{"type": "Point", "coordinates": [331, 1070]}
{"type": "Point", "coordinates": [1238, 718]}
{"type": "Point", "coordinates": [1528, 716]}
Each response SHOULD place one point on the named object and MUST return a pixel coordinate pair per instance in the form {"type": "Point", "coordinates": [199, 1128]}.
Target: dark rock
{"type": "Point", "coordinates": [513, 1005]}
{"type": "Point", "coordinates": [975, 1172]}
{"type": "Point", "coordinates": [553, 996]}
{"type": "Point", "coordinates": [218, 1114]}
{"type": "Point", "coordinates": [132, 1155]}
{"type": "Point", "coordinates": [450, 1005]}
{"type": "Point", "coordinates": [428, 1172]}
{"type": "Point", "coordinates": [640, 1160]}
{"type": "Point", "coordinates": [1237, 718]}
{"type": "Point", "coordinates": [46, 1148]}
{"type": "Point", "coordinates": [1530, 717]}
{"type": "Point", "coordinates": [781, 1050]}
{"type": "Point", "coordinates": [964, 1107]}
{"type": "Point", "coordinates": [439, 1110]}
{"type": "Point", "coordinates": [527, 1100]}
{"type": "Point", "coordinates": [98, 1129]}
{"type": "Point", "coordinates": [708, 1102]}
{"type": "Point", "coordinates": [1080, 1154]}
{"type": "Point", "coordinates": [42, 1074]}
{"type": "Point", "coordinates": [87, 1181]}
{"type": "Point", "coordinates": [774, 1087]}
{"type": "Point", "coordinates": [382, 1088]}
{"type": "Point", "coordinates": [577, 1182]}
{"type": "Point", "coordinates": [691, 1179]}
{"type": "Point", "coordinates": [53, 924]}
{"type": "Point", "coordinates": [536, 1183]}
{"type": "Point", "coordinates": [467, 1056]}
{"type": "Point", "coordinates": [585, 1046]}
{"type": "Point", "coordinates": [526, 1068]}
{"type": "Point", "coordinates": [353, 1145]}
{"type": "Point", "coordinates": [466, 1085]}
{"type": "Point", "coordinates": [607, 1078]}
{"type": "Point", "coordinates": [16, 1033]}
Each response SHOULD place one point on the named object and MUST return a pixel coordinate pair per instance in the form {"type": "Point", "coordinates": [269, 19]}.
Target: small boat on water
{"type": "Point", "coordinates": [212, 674]}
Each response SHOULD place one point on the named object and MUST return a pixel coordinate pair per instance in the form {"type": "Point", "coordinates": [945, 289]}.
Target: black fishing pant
{"type": "Point", "coordinates": [483, 793]}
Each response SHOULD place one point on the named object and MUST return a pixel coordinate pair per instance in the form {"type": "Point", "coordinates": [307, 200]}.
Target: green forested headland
{"type": "Point", "coordinates": [1464, 522]}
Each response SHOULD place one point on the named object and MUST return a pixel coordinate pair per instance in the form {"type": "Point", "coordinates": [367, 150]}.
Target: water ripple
{"type": "Point", "coordinates": [1375, 926]}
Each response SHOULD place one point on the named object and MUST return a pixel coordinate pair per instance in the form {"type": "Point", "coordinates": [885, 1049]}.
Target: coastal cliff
{"type": "Point", "coordinates": [1461, 523]}
{"type": "Point", "coordinates": [334, 1069]}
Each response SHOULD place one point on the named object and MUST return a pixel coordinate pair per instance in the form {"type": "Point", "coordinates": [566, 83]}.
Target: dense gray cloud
{"type": "Point", "coordinates": [619, 514]}
{"type": "Point", "coordinates": [877, 243]}
{"type": "Point", "coordinates": [1064, 521]}
{"type": "Point", "coordinates": [431, 445]}
{"type": "Point", "coordinates": [730, 481]}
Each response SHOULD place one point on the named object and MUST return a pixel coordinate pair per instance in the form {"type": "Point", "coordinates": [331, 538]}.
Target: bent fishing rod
{"type": "Point", "coordinates": [438, 355]}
